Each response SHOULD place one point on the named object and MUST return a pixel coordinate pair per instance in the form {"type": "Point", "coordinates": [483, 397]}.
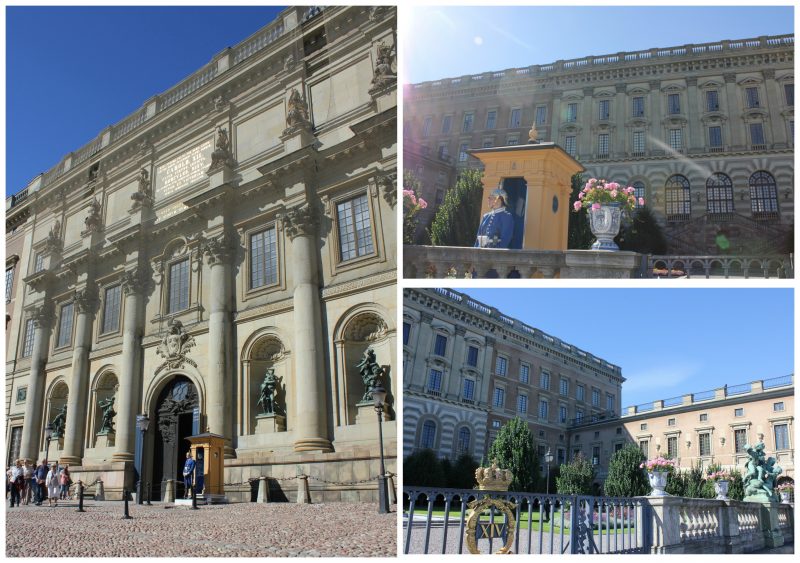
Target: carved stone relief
{"type": "Point", "coordinates": [174, 347]}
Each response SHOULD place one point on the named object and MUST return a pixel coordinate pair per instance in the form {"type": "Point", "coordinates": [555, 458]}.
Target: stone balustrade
{"type": "Point", "coordinates": [721, 266]}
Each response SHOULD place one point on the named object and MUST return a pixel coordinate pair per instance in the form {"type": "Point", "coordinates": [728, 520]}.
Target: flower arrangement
{"type": "Point", "coordinates": [412, 204]}
{"type": "Point", "coordinates": [659, 464]}
{"type": "Point", "coordinates": [785, 488]}
{"type": "Point", "coordinates": [597, 192]}
{"type": "Point", "coordinates": [717, 476]}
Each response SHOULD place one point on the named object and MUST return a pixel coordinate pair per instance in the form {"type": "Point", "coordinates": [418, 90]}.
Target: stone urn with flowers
{"type": "Point", "coordinates": [605, 203]}
{"type": "Point", "coordinates": [721, 480]}
{"type": "Point", "coordinates": [657, 471]}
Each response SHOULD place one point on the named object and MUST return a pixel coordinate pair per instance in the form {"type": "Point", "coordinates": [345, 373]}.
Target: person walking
{"type": "Point", "coordinates": [16, 482]}
{"type": "Point", "coordinates": [52, 485]}
{"type": "Point", "coordinates": [65, 482]}
{"type": "Point", "coordinates": [27, 475]}
{"type": "Point", "coordinates": [41, 487]}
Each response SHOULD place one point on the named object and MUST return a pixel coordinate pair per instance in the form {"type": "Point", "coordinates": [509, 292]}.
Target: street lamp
{"type": "Point", "coordinates": [48, 433]}
{"type": "Point", "coordinates": [548, 458]}
{"type": "Point", "coordinates": [379, 397]}
{"type": "Point", "coordinates": [142, 423]}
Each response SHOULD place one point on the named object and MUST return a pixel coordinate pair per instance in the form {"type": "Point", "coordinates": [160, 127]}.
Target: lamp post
{"type": "Point", "coordinates": [548, 458]}
{"type": "Point", "coordinates": [379, 397]}
{"type": "Point", "coordinates": [48, 433]}
{"type": "Point", "coordinates": [142, 423]}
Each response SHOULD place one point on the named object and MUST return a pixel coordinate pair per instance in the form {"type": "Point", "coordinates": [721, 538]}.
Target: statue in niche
{"type": "Point", "coordinates": [143, 195]}
{"type": "Point", "coordinates": [371, 373]}
{"type": "Point", "coordinates": [297, 117]}
{"type": "Point", "coordinates": [107, 422]}
{"type": "Point", "coordinates": [383, 76]}
{"type": "Point", "coordinates": [760, 475]}
{"type": "Point", "coordinates": [93, 220]}
{"type": "Point", "coordinates": [59, 422]}
{"type": "Point", "coordinates": [267, 393]}
{"type": "Point", "coordinates": [53, 243]}
{"type": "Point", "coordinates": [221, 156]}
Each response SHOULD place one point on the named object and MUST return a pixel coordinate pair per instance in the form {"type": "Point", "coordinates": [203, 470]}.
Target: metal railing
{"type": "Point", "coordinates": [777, 382]}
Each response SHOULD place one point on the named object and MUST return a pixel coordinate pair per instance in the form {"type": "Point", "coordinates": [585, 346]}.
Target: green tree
{"type": "Point", "coordinates": [456, 220]}
{"type": "Point", "coordinates": [625, 477]}
{"type": "Point", "coordinates": [579, 235]}
{"type": "Point", "coordinates": [676, 484]}
{"type": "Point", "coordinates": [423, 469]}
{"type": "Point", "coordinates": [462, 472]}
{"type": "Point", "coordinates": [643, 234]}
{"type": "Point", "coordinates": [576, 477]}
{"type": "Point", "coordinates": [513, 449]}
{"type": "Point", "coordinates": [736, 487]}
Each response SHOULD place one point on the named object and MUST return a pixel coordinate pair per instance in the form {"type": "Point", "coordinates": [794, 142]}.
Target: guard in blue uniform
{"type": "Point", "coordinates": [188, 474]}
{"type": "Point", "coordinates": [497, 226]}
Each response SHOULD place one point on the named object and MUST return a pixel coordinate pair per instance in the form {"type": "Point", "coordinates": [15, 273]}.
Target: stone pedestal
{"type": "Point", "coordinates": [270, 423]}
{"type": "Point", "coordinates": [99, 492]}
{"type": "Point", "coordinates": [263, 490]}
{"type": "Point", "coordinates": [105, 440]}
{"type": "Point", "coordinates": [56, 445]}
{"type": "Point", "coordinates": [769, 525]}
{"type": "Point", "coordinates": [169, 491]}
{"type": "Point", "coordinates": [365, 413]}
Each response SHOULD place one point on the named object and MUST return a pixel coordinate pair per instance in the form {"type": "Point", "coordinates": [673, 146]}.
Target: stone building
{"type": "Point", "coordinates": [705, 133]}
{"type": "Point", "coordinates": [469, 369]}
{"type": "Point", "coordinates": [239, 225]}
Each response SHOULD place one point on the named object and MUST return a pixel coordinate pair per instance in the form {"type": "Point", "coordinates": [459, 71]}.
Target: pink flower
{"type": "Point", "coordinates": [580, 195]}
{"type": "Point", "coordinates": [612, 186]}
{"type": "Point", "coordinates": [422, 203]}
{"type": "Point", "coordinates": [630, 189]}
{"type": "Point", "coordinates": [413, 199]}
{"type": "Point", "coordinates": [641, 201]}
{"type": "Point", "coordinates": [614, 193]}
{"type": "Point", "coordinates": [407, 193]}
{"type": "Point", "coordinates": [577, 205]}
{"type": "Point", "coordinates": [595, 206]}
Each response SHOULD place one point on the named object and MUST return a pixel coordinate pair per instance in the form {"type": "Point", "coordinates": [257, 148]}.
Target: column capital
{"type": "Point", "coordinates": [769, 73]}
{"type": "Point", "coordinates": [300, 221]}
{"type": "Point", "coordinates": [86, 299]}
{"type": "Point", "coordinates": [43, 315]}
{"type": "Point", "coordinates": [621, 88]}
{"type": "Point", "coordinates": [136, 280]}
{"type": "Point", "coordinates": [219, 249]}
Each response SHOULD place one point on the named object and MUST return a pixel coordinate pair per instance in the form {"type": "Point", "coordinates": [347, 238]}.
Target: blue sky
{"type": "Point", "coordinates": [667, 341]}
{"type": "Point", "coordinates": [447, 41]}
{"type": "Point", "coordinates": [72, 71]}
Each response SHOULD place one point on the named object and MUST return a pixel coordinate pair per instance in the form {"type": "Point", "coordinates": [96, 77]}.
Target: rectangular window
{"type": "Point", "coordinates": [672, 447]}
{"type": "Point", "coordinates": [487, 144]}
{"type": "Point", "coordinates": [572, 113]}
{"type": "Point", "coordinates": [512, 140]}
{"type": "Point", "coordinates": [580, 393]}
{"type": "Point", "coordinates": [491, 119]}
{"type": "Point", "coordinates": [27, 344]}
{"type": "Point", "coordinates": [712, 100]}
{"type": "Point", "coordinates": [426, 126]}
{"type": "Point", "coordinates": [440, 345]}
{"type": "Point", "coordinates": [674, 103]}
{"type": "Point", "coordinates": [22, 394]}
{"type": "Point", "coordinates": [756, 134]}
{"type": "Point", "coordinates": [541, 115]}
{"type": "Point", "coordinates": [609, 402]}
{"type": "Point", "coordinates": [38, 265]}
{"type": "Point", "coordinates": [111, 308]}
{"type": "Point", "coordinates": [543, 408]}
{"type": "Point", "coordinates": [524, 373]}
{"type": "Point", "coordinates": [447, 124]}
{"type": "Point", "coordinates": [644, 445]}
{"type": "Point", "coordinates": [638, 107]}
{"type": "Point", "coordinates": [443, 150]}
{"type": "Point", "coordinates": [355, 228]}
{"type": "Point", "coordinates": [676, 139]}
{"type": "Point", "coordinates": [65, 325]}
{"type": "Point", "coordinates": [434, 382]}
{"type": "Point", "coordinates": [602, 144]}
{"type": "Point", "coordinates": [406, 333]}
{"type": "Point", "coordinates": [781, 437]}
{"type": "Point", "coordinates": [715, 136]}
{"type": "Point", "coordinates": [740, 439]}
{"type": "Point", "coordinates": [499, 398]}
{"type": "Point", "coordinates": [638, 142]}
{"type": "Point", "coordinates": [595, 397]}
{"type": "Point", "coordinates": [605, 106]}
{"type": "Point", "coordinates": [428, 437]}
{"type": "Point", "coordinates": [501, 366]}
{"type": "Point", "coordinates": [578, 416]}
{"type": "Point", "coordinates": [178, 286]}
{"type": "Point", "coordinates": [752, 97]}
{"type": "Point", "coordinates": [563, 386]}
{"type": "Point", "coordinates": [515, 119]}
{"type": "Point", "coordinates": [778, 407]}
{"type": "Point", "coordinates": [595, 455]}
{"type": "Point", "coordinates": [569, 145]}
{"type": "Point", "coordinates": [472, 356]}
{"type": "Point", "coordinates": [738, 412]}
{"type": "Point", "coordinates": [263, 258]}
{"type": "Point", "coordinates": [788, 91]}
{"type": "Point", "coordinates": [562, 414]}
{"type": "Point", "coordinates": [469, 121]}
{"type": "Point", "coordinates": [617, 447]}
{"type": "Point", "coordinates": [462, 152]}
{"type": "Point", "coordinates": [9, 282]}
{"type": "Point", "coordinates": [522, 403]}
{"type": "Point", "coordinates": [468, 392]}
{"type": "Point", "coordinates": [544, 380]}
{"type": "Point", "coordinates": [705, 444]}
{"type": "Point", "coordinates": [561, 456]}
{"type": "Point", "coordinates": [704, 417]}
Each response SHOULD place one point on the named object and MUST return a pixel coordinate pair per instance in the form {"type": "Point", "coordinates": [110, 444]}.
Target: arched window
{"type": "Point", "coordinates": [719, 193]}
{"type": "Point", "coordinates": [638, 192]}
{"type": "Point", "coordinates": [763, 195]}
{"type": "Point", "coordinates": [428, 437]}
{"type": "Point", "coordinates": [679, 198]}
{"type": "Point", "coordinates": [464, 435]}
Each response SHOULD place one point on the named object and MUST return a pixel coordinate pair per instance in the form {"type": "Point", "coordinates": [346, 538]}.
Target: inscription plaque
{"type": "Point", "coordinates": [183, 170]}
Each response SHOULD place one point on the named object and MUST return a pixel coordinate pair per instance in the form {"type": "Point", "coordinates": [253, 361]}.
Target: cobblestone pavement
{"type": "Point", "coordinates": [241, 530]}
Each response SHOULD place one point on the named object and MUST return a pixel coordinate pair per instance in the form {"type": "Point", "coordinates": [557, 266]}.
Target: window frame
{"type": "Point", "coordinates": [465, 128]}
{"type": "Point", "coordinates": [103, 330]}
{"type": "Point", "coordinates": [719, 194]}
{"type": "Point", "coordinates": [424, 432]}
{"type": "Point", "coordinates": [447, 120]}
{"type": "Point", "coordinates": [515, 123]}
{"type": "Point", "coordinates": [272, 226]}
{"type": "Point", "coordinates": [493, 114]}
{"type": "Point", "coordinates": [168, 293]}
{"type": "Point", "coordinates": [28, 337]}
{"type": "Point", "coordinates": [499, 397]}
{"type": "Point", "coordinates": [637, 109]}
{"type": "Point", "coordinates": [65, 333]}
{"type": "Point", "coordinates": [604, 110]}
{"type": "Point", "coordinates": [572, 117]}
{"type": "Point", "coordinates": [497, 362]}
{"type": "Point", "coordinates": [522, 403]}
{"type": "Point", "coordinates": [678, 197]}
{"type": "Point", "coordinates": [571, 140]}
{"type": "Point", "coordinates": [673, 103]}
{"type": "Point", "coordinates": [438, 339]}
{"type": "Point", "coordinates": [603, 144]}
{"type": "Point", "coordinates": [526, 368]}
{"type": "Point", "coordinates": [351, 197]}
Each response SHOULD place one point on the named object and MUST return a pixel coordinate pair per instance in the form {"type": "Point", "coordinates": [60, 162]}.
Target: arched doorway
{"type": "Point", "coordinates": [174, 422]}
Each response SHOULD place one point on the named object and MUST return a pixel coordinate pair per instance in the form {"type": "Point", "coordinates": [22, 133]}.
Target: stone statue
{"type": "Point", "coordinates": [54, 242]}
{"type": "Point", "coordinates": [370, 372]}
{"type": "Point", "coordinates": [383, 75]}
{"type": "Point", "coordinates": [297, 116]}
{"type": "Point", "coordinates": [93, 220]}
{"type": "Point", "coordinates": [222, 153]}
{"type": "Point", "coordinates": [107, 424]}
{"type": "Point", "coordinates": [59, 421]}
{"type": "Point", "coordinates": [143, 195]}
{"type": "Point", "coordinates": [760, 475]}
{"type": "Point", "coordinates": [266, 396]}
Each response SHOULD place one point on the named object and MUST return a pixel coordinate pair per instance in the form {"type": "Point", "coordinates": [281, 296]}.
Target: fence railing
{"type": "Point", "coordinates": [720, 266]}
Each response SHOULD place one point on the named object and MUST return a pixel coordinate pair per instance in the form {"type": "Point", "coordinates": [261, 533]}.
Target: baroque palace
{"type": "Point", "coordinates": [705, 133]}
{"type": "Point", "coordinates": [470, 369]}
{"type": "Point", "coordinates": [219, 261]}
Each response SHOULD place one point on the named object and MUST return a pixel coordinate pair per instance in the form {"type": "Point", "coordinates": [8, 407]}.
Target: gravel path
{"type": "Point", "coordinates": [234, 530]}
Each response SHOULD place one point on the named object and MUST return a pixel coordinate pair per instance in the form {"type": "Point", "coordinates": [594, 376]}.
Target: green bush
{"type": "Point", "coordinates": [575, 477]}
{"type": "Point", "coordinates": [513, 449]}
{"type": "Point", "coordinates": [579, 235]}
{"type": "Point", "coordinates": [423, 469]}
{"type": "Point", "coordinates": [462, 472]}
{"type": "Point", "coordinates": [736, 487]}
{"type": "Point", "coordinates": [456, 221]}
{"type": "Point", "coordinates": [625, 477]}
{"type": "Point", "coordinates": [643, 234]}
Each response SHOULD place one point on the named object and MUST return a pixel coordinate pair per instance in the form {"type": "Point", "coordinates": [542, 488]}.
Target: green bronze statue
{"type": "Point", "coordinates": [760, 475]}
{"type": "Point", "coordinates": [370, 372]}
{"type": "Point", "coordinates": [107, 424]}
{"type": "Point", "coordinates": [266, 397]}
{"type": "Point", "coordinates": [59, 422]}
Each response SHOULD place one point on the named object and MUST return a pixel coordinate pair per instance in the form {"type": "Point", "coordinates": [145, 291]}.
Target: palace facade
{"type": "Point", "coordinates": [705, 133]}
{"type": "Point", "coordinates": [219, 261]}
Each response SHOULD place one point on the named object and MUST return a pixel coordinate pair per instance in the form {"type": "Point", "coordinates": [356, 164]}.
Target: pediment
{"type": "Point", "coordinates": [638, 91]}
{"type": "Point", "coordinates": [604, 94]}
{"type": "Point", "coordinates": [711, 84]}
{"type": "Point", "coordinates": [572, 97]}
{"type": "Point", "coordinates": [749, 81]}
{"type": "Point", "coordinates": [786, 77]}
{"type": "Point", "coordinates": [673, 88]}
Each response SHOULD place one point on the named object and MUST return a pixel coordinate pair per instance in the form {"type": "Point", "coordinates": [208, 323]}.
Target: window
{"type": "Point", "coordinates": [602, 144]}
{"type": "Point", "coordinates": [428, 437]}
{"type": "Point", "coordinates": [263, 258]}
{"type": "Point", "coordinates": [178, 286]}
{"type": "Point", "coordinates": [752, 97]}
{"type": "Point", "coordinates": [469, 119]}
{"type": "Point", "coordinates": [543, 408]}
{"type": "Point", "coordinates": [462, 152]}
{"type": "Point", "coordinates": [781, 437]}
{"type": "Point", "coordinates": [604, 109]}
{"type": "Point", "coordinates": [672, 447]}
{"type": "Point", "coordinates": [740, 439]}
{"type": "Point", "coordinates": [712, 100]}
{"type": "Point", "coordinates": [491, 119]}
{"type": "Point", "coordinates": [756, 134]}
{"type": "Point", "coordinates": [778, 407]}
{"type": "Point", "coordinates": [572, 113]}
{"type": "Point", "coordinates": [440, 345]}
{"type": "Point", "coordinates": [522, 403]}
{"type": "Point", "coordinates": [617, 447]}
{"type": "Point", "coordinates": [426, 126]}
{"type": "Point", "coordinates": [9, 282]}
{"type": "Point", "coordinates": [468, 391]}
{"type": "Point", "coordinates": [544, 380]}
{"type": "Point", "coordinates": [644, 445]}
{"type": "Point", "coordinates": [763, 194]}
{"type": "Point", "coordinates": [578, 416]}
{"type": "Point", "coordinates": [595, 397]}
{"type": "Point", "coordinates": [610, 402]}
{"type": "Point", "coordinates": [639, 193]}
{"type": "Point", "coordinates": [715, 137]}
{"type": "Point", "coordinates": [569, 145]}
{"type": "Point", "coordinates": [563, 386]}
{"type": "Point", "coordinates": [65, 325]}
{"type": "Point", "coordinates": [788, 92]}
{"type": "Point", "coordinates": [15, 442]}
{"type": "Point", "coordinates": [447, 124]}
{"type": "Point", "coordinates": [355, 228]}
{"type": "Point", "coordinates": [463, 440]}
{"type": "Point", "coordinates": [595, 455]}
{"type": "Point", "coordinates": [406, 333]}
{"type": "Point", "coordinates": [435, 382]}
{"type": "Point", "coordinates": [443, 150]}
{"type": "Point", "coordinates": [27, 343]}
{"type": "Point", "coordinates": [674, 103]}
{"type": "Point", "coordinates": [515, 120]}
{"type": "Point", "coordinates": [580, 393]}
{"type": "Point", "coordinates": [38, 263]}
{"type": "Point", "coordinates": [679, 198]}
{"type": "Point", "coordinates": [111, 307]}
{"type": "Point", "coordinates": [488, 143]}
{"type": "Point", "coordinates": [638, 143]}
{"type": "Point", "coordinates": [670, 422]}
{"type": "Point", "coordinates": [704, 417]}
{"type": "Point", "coordinates": [472, 356]}
{"type": "Point", "coordinates": [676, 139]}
{"type": "Point", "coordinates": [495, 424]}
{"type": "Point", "coordinates": [499, 398]}
{"type": "Point", "coordinates": [501, 366]}
{"type": "Point", "coordinates": [524, 373]}
{"type": "Point", "coordinates": [643, 426]}
{"type": "Point", "coordinates": [619, 430]}
{"type": "Point", "coordinates": [705, 444]}
{"type": "Point", "coordinates": [561, 456]}
{"type": "Point", "coordinates": [512, 140]}
{"type": "Point", "coordinates": [562, 414]}
{"type": "Point", "coordinates": [541, 115]}
{"type": "Point", "coordinates": [638, 107]}
{"type": "Point", "coordinates": [719, 194]}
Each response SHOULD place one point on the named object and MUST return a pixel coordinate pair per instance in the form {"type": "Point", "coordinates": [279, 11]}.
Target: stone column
{"type": "Point", "coordinates": [457, 357]}
{"type": "Point", "coordinates": [310, 386]}
{"type": "Point", "coordinates": [694, 140]}
{"type": "Point", "coordinates": [555, 120]}
{"type": "Point", "coordinates": [585, 141]}
{"type": "Point", "coordinates": [776, 131]}
{"type": "Point", "coordinates": [423, 345]}
{"type": "Point", "coordinates": [85, 303]}
{"type": "Point", "coordinates": [134, 284]}
{"type": "Point", "coordinates": [665, 524]}
{"type": "Point", "coordinates": [656, 115]}
{"type": "Point", "coordinates": [737, 134]}
{"type": "Point", "coordinates": [43, 321]}
{"type": "Point", "coordinates": [620, 141]}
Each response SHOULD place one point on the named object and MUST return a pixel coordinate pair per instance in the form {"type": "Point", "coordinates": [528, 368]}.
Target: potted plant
{"type": "Point", "coordinates": [657, 471]}
{"type": "Point", "coordinates": [721, 480]}
{"type": "Point", "coordinates": [605, 203]}
{"type": "Point", "coordinates": [786, 490]}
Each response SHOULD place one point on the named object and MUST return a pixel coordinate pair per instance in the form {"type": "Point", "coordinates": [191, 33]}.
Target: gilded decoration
{"type": "Point", "coordinates": [477, 529]}
{"type": "Point", "coordinates": [174, 347]}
